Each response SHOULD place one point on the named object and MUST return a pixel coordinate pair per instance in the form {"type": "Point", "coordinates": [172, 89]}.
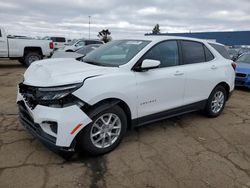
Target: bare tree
{"type": "Point", "coordinates": [104, 35]}
{"type": "Point", "coordinates": [156, 29]}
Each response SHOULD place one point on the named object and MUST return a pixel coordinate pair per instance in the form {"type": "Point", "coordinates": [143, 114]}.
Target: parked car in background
{"type": "Point", "coordinates": [75, 45]}
{"type": "Point", "coordinates": [234, 53]}
{"type": "Point", "coordinates": [25, 50]}
{"type": "Point", "coordinates": [78, 53]}
{"type": "Point", "coordinates": [59, 42]}
{"type": "Point", "coordinates": [125, 83]}
{"type": "Point", "coordinates": [243, 50]}
{"type": "Point", "coordinates": [243, 70]}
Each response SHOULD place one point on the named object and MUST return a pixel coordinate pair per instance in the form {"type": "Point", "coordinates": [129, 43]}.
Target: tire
{"type": "Point", "coordinates": [86, 141]}
{"type": "Point", "coordinates": [30, 57]}
{"type": "Point", "coordinates": [213, 108]}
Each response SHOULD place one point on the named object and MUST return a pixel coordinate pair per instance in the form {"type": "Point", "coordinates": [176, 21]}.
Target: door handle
{"type": "Point", "coordinates": [178, 73]}
{"type": "Point", "coordinates": [213, 67]}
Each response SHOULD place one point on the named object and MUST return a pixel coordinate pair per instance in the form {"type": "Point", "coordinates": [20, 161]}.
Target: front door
{"type": "Point", "coordinates": [162, 88]}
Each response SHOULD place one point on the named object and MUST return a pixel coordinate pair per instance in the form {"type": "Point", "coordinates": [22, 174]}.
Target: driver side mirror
{"type": "Point", "coordinates": [148, 64]}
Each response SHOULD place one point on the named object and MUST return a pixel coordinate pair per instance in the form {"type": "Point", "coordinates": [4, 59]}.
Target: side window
{"type": "Point", "coordinates": [0, 33]}
{"type": "Point", "coordinates": [87, 42]}
{"type": "Point", "coordinates": [165, 52]}
{"type": "Point", "coordinates": [192, 52]}
{"type": "Point", "coordinates": [221, 49]}
{"type": "Point", "coordinates": [208, 54]}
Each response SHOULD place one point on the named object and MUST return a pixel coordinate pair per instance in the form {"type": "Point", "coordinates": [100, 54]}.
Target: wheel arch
{"type": "Point", "coordinates": [226, 86]}
{"type": "Point", "coordinates": [107, 103]}
{"type": "Point", "coordinates": [32, 49]}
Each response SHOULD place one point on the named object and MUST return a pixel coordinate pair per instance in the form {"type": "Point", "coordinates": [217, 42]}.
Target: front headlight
{"type": "Point", "coordinates": [55, 93]}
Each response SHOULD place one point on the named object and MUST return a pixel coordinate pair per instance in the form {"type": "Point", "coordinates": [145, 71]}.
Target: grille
{"type": "Point", "coordinates": [242, 75]}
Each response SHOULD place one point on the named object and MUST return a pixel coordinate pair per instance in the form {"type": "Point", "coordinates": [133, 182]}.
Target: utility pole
{"type": "Point", "coordinates": [89, 26]}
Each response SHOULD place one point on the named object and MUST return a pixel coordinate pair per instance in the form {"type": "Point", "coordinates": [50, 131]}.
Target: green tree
{"type": "Point", "coordinates": [105, 35]}
{"type": "Point", "coordinates": [156, 29]}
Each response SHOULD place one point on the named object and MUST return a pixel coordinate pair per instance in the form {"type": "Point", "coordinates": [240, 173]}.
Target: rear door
{"type": "Point", "coordinates": [161, 88]}
{"type": "Point", "coordinates": [201, 71]}
{"type": "Point", "coordinates": [3, 45]}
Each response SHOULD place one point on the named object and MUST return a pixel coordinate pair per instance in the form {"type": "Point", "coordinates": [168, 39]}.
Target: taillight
{"type": "Point", "coordinates": [51, 45]}
{"type": "Point", "coordinates": [234, 65]}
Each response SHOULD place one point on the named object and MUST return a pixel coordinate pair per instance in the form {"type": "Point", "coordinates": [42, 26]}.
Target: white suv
{"type": "Point", "coordinates": [91, 102]}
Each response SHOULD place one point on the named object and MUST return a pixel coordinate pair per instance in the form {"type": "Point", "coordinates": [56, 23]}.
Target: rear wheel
{"type": "Point", "coordinates": [30, 57]}
{"type": "Point", "coordinates": [216, 102]}
{"type": "Point", "coordinates": [105, 132]}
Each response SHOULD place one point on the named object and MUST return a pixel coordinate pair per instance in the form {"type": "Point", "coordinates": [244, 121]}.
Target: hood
{"type": "Point", "coordinates": [60, 71]}
{"type": "Point", "coordinates": [63, 54]}
{"type": "Point", "coordinates": [243, 68]}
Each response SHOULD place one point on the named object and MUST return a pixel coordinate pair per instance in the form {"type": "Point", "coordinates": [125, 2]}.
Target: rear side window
{"type": "Point", "coordinates": [193, 52]}
{"type": "Point", "coordinates": [166, 52]}
{"type": "Point", "coordinates": [208, 54]}
{"type": "Point", "coordinates": [58, 39]}
{"type": "Point", "coordinates": [221, 49]}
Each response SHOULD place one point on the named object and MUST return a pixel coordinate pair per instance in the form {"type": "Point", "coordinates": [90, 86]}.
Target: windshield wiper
{"type": "Point", "coordinates": [98, 64]}
{"type": "Point", "coordinates": [92, 63]}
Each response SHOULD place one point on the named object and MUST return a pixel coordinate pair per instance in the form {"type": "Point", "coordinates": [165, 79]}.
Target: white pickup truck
{"type": "Point", "coordinates": [23, 49]}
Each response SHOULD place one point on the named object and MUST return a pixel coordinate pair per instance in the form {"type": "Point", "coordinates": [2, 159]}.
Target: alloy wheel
{"type": "Point", "coordinates": [105, 130]}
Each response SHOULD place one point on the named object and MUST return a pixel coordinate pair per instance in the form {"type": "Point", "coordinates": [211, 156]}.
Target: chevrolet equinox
{"type": "Point", "coordinates": [91, 101]}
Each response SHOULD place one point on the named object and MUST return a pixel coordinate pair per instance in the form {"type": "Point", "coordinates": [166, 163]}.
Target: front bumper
{"type": "Point", "coordinates": [67, 118]}
{"type": "Point", "coordinates": [242, 81]}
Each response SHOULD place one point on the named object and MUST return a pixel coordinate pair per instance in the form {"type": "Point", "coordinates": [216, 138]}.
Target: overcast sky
{"type": "Point", "coordinates": [124, 18]}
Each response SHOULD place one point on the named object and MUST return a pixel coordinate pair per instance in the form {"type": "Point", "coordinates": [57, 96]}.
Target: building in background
{"type": "Point", "coordinates": [229, 38]}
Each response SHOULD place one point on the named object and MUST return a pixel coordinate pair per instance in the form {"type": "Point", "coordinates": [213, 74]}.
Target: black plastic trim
{"type": "Point", "coordinates": [169, 113]}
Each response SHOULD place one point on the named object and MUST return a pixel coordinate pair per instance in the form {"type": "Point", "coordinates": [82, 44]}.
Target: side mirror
{"type": "Point", "coordinates": [150, 64]}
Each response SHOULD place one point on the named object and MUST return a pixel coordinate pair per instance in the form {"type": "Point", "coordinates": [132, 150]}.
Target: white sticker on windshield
{"type": "Point", "coordinates": [134, 42]}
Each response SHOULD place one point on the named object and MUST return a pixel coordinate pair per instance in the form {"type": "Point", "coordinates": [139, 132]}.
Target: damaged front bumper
{"type": "Point", "coordinates": [55, 127]}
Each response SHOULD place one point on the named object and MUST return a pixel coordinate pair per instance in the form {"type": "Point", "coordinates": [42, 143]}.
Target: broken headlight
{"type": "Point", "coordinates": [56, 93]}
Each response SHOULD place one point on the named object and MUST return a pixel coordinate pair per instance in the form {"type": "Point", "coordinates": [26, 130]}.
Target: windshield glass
{"type": "Point", "coordinates": [245, 58]}
{"type": "Point", "coordinates": [71, 42]}
{"type": "Point", "coordinates": [115, 53]}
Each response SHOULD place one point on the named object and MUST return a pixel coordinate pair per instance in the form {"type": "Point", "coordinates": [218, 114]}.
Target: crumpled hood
{"type": "Point", "coordinates": [61, 71]}
{"type": "Point", "coordinates": [243, 68]}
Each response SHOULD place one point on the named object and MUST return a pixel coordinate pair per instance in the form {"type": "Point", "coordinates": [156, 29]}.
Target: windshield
{"type": "Point", "coordinates": [115, 53]}
{"type": "Point", "coordinates": [245, 58]}
{"type": "Point", "coordinates": [71, 42]}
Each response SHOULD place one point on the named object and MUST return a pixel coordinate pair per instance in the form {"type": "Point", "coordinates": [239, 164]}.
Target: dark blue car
{"type": "Point", "coordinates": [243, 71]}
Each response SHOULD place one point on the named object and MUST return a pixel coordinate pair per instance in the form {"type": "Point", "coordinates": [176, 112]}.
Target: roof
{"type": "Point", "coordinates": [158, 38]}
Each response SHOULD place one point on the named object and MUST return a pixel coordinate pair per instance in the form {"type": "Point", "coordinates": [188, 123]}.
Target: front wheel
{"type": "Point", "coordinates": [216, 102]}
{"type": "Point", "coordinates": [105, 132]}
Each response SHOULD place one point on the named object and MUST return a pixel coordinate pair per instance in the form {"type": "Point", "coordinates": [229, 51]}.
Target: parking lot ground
{"type": "Point", "coordinates": [186, 151]}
